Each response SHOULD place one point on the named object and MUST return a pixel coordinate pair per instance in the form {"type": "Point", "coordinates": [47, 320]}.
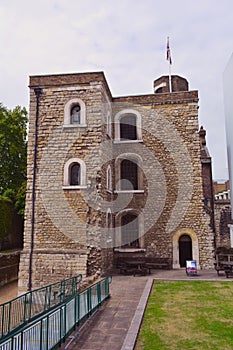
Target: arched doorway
{"type": "Point", "coordinates": [185, 249]}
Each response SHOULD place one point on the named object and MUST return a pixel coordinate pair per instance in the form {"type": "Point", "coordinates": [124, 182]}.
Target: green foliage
{"type": "Point", "coordinates": [20, 198]}
{"type": "Point", "coordinates": [13, 126]}
{"type": "Point", "coordinates": [6, 214]}
{"type": "Point", "coordinates": [13, 154]}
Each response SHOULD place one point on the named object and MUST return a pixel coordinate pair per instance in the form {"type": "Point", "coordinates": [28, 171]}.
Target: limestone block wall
{"type": "Point", "coordinates": [62, 230]}
{"type": "Point", "coordinates": [76, 230]}
{"type": "Point", "coordinates": [173, 196]}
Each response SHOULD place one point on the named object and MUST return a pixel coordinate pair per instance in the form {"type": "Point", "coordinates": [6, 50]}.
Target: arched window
{"type": "Point", "coordinates": [159, 90]}
{"type": "Point", "coordinates": [129, 230]}
{"type": "Point", "coordinates": [74, 174]}
{"type": "Point", "coordinates": [109, 178]}
{"type": "Point", "coordinates": [109, 125]}
{"type": "Point", "coordinates": [128, 126]}
{"type": "Point", "coordinates": [109, 226]}
{"type": "Point", "coordinates": [75, 113]}
{"type": "Point", "coordinates": [129, 175]}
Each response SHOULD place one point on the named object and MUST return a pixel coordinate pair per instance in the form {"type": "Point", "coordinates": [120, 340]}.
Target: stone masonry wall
{"type": "Point", "coordinates": [9, 267]}
{"type": "Point", "coordinates": [222, 209]}
{"type": "Point", "coordinates": [61, 234]}
{"type": "Point", "coordinates": [71, 233]}
{"type": "Point", "coordinates": [171, 152]}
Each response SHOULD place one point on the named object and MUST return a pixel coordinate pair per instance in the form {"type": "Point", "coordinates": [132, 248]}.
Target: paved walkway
{"type": "Point", "coordinates": [115, 325]}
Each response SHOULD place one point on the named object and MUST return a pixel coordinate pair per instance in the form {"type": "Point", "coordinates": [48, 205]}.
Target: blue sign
{"type": "Point", "coordinates": [191, 267]}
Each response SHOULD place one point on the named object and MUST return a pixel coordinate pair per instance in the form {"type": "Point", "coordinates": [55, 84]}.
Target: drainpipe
{"type": "Point", "coordinates": [38, 92]}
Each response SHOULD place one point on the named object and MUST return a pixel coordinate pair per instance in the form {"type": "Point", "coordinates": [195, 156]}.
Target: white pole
{"type": "Point", "coordinates": [169, 64]}
{"type": "Point", "coordinates": [170, 77]}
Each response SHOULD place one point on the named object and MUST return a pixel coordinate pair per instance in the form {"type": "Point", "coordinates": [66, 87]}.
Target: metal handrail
{"type": "Point", "coordinates": [23, 309]}
{"type": "Point", "coordinates": [50, 330]}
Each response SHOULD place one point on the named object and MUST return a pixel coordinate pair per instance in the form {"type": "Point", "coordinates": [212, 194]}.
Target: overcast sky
{"type": "Point", "coordinates": [127, 40]}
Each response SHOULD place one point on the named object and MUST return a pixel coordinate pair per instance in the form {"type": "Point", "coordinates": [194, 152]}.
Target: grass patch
{"type": "Point", "coordinates": [188, 315]}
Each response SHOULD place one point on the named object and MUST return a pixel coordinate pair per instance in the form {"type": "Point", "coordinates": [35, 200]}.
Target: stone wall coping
{"type": "Point", "coordinates": [45, 81]}
{"type": "Point", "coordinates": [68, 79]}
{"type": "Point", "coordinates": [163, 98]}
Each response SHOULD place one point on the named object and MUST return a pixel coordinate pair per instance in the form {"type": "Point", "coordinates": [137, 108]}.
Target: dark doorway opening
{"type": "Point", "coordinates": [185, 249]}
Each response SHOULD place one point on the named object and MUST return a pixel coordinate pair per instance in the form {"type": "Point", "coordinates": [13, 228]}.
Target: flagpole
{"type": "Point", "coordinates": [170, 77]}
{"type": "Point", "coordinates": [169, 59]}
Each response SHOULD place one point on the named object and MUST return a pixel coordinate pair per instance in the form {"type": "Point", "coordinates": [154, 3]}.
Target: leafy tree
{"type": "Point", "coordinates": [13, 153]}
{"type": "Point", "coordinates": [6, 214]}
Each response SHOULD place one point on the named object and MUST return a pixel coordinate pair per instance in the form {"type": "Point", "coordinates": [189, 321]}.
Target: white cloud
{"type": "Point", "coordinates": [127, 40]}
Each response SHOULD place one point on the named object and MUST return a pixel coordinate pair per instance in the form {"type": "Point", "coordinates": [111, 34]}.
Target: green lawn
{"type": "Point", "coordinates": [188, 315]}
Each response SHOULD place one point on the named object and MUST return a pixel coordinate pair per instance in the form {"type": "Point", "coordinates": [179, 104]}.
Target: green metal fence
{"type": "Point", "coordinates": [50, 330]}
{"type": "Point", "coordinates": [23, 309]}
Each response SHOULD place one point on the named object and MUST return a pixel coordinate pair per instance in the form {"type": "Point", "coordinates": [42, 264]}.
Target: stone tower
{"type": "Point", "coordinates": [110, 177]}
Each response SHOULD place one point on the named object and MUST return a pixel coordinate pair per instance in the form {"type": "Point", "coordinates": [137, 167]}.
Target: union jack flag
{"type": "Point", "coordinates": [169, 57]}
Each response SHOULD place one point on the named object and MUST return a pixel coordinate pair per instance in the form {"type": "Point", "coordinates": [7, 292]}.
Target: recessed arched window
{"type": "Point", "coordinates": [129, 229]}
{"type": "Point", "coordinates": [74, 174]}
{"type": "Point", "coordinates": [129, 175]}
{"type": "Point", "coordinates": [109, 178]}
{"type": "Point", "coordinates": [128, 126]}
{"type": "Point", "coordinates": [109, 226]}
{"type": "Point", "coordinates": [109, 124]}
{"type": "Point", "coordinates": [159, 90]}
{"type": "Point", "coordinates": [75, 113]}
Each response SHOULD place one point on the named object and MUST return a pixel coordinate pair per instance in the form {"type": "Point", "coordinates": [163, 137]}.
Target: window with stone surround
{"type": "Point", "coordinates": [75, 113]}
{"type": "Point", "coordinates": [74, 174]}
{"type": "Point", "coordinates": [128, 126]}
{"type": "Point", "coordinates": [109, 125]}
{"type": "Point", "coordinates": [129, 230]}
{"type": "Point", "coordinates": [129, 173]}
{"type": "Point", "coordinates": [109, 178]}
{"type": "Point", "coordinates": [109, 226]}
